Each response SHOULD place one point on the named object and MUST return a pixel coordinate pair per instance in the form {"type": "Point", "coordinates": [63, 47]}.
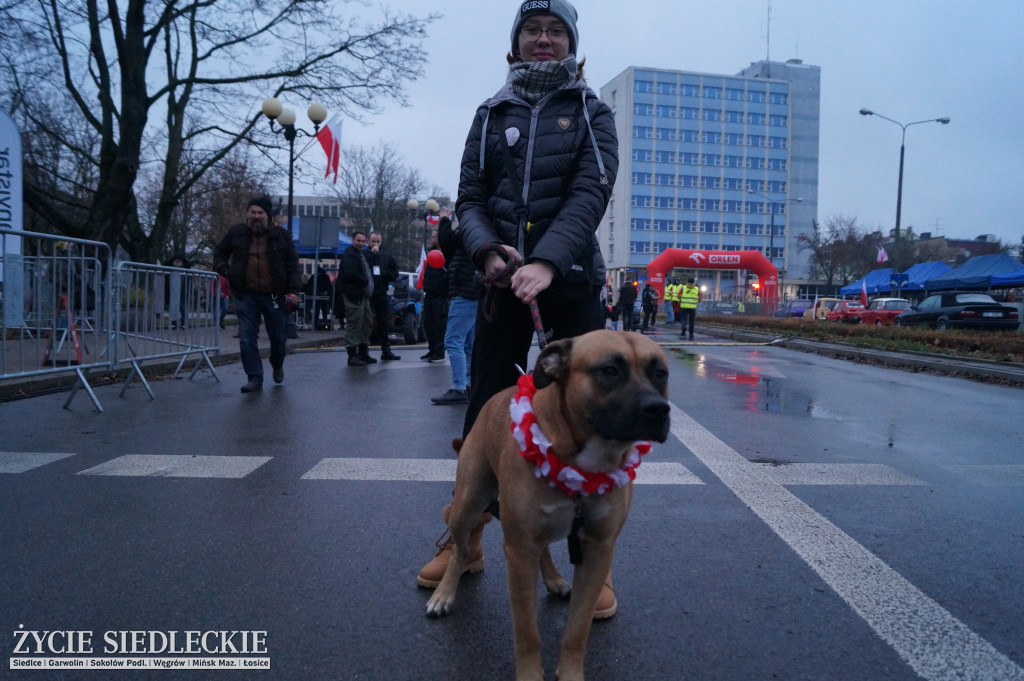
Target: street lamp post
{"type": "Point", "coordinates": [771, 229]}
{"type": "Point", "coordinates": [285, 118]}
{"type": "Point", "coordinates": [899, 187]}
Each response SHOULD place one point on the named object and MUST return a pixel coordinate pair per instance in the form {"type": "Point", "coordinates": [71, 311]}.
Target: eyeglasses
{"type": "Point", "coordinates": [554, 33]}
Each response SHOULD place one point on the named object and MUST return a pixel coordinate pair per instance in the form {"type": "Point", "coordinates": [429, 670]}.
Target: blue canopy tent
{"type": "Point", "coordinates": [325, 250]}
{"type": "Point", "coordinates": [976, 273]}
{"type": "Point", "coordinates": [919, 274]}
{"type": "Point", "coordinates": [876, 281]}
{"type": "Point", "coordinates": [1008, 280]}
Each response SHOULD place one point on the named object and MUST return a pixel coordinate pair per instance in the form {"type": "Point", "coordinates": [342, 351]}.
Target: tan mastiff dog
{"type": "Point", "coordinates": [563, 453]}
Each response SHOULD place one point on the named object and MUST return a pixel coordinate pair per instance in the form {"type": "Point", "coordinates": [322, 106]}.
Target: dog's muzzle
{"type": "Point", "coordinates": [646, 419]}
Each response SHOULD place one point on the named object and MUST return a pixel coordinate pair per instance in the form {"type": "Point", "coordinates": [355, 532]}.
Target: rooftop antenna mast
{"type": "Point", "coordinates": [768, 40]}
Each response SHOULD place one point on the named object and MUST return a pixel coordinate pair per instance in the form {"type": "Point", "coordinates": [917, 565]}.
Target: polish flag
{"type": "Point", "coordinates": [330, 140]}
{"type": "Point", "coordinates": [864, 293]}
{"type": "Point", "coordinates": [882, 255]}
{"type": "Point", "coordinates": [421, 267]}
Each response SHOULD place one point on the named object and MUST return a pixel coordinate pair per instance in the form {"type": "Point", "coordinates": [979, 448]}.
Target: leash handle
{"type": "Point", "coordinates": [511, 265]}
{"type": "Point", "coordinates": [538, 326]}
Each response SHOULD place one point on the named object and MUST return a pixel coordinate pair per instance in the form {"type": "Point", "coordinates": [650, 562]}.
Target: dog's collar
{"type": "Point", "coordinates": [537, 448]}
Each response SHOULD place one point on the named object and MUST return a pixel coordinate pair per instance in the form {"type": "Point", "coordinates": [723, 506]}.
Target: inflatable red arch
{"type": "Point", "coordinates": [767, 273]}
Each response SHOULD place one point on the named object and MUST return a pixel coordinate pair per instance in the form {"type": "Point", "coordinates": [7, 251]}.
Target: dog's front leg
{"type": "Point", "coordinates": [522, 560]}
{"type": "Point", "coordinates": [587, 582]}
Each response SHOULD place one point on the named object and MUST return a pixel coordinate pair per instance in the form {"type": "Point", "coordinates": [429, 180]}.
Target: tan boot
{"type": "Point", "coordinates": [432, 573]}
{"type": "Point", "coordinates": [607, 605]}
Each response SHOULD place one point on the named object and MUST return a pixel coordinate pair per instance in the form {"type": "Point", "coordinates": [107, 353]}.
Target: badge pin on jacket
{"type": "Point", "coordinates": [512, 136]}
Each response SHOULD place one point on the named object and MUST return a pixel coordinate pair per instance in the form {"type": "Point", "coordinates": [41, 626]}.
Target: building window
{"type": "Point", "coordinates": [643, 86]}
{"type": "Point", "coordinates": [640, 109]}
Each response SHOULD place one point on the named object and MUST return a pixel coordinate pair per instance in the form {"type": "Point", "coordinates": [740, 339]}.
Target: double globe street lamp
{"type": "Point", "coordinates": [899, 187]}
{"type": "Point", "coordinates": [285, 118]}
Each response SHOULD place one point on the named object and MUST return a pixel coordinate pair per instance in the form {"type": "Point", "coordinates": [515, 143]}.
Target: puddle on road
{"type": "Point", "coordinates": [759, 393]}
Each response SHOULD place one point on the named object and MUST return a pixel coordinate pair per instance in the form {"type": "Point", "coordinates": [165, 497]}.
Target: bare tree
{"type": "Point", "coordinates": [839, 252]}
{"type": "Point", "coordinates": [374, 184]}
{"type": "Point", "coordinates": [148, 83]}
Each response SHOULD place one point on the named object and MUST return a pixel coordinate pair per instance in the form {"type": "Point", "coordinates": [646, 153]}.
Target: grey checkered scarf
{"type": "Point", "coordinates": [533, 80]}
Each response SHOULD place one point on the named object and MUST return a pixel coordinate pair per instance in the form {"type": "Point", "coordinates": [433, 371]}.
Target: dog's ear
{"type": "Point", "coordinates": [552, 364]}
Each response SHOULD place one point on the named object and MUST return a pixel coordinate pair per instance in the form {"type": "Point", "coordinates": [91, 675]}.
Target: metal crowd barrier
{"type": "Point", "coordinates": [67, 309]}
{"type": "Point", "coordinates": [56, 313]}
{"type": "Point", "coordinates": [164, 312]}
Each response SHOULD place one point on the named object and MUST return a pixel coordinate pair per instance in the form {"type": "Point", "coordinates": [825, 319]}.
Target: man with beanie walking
{"type": "Point", "coordinates": [260, 262]}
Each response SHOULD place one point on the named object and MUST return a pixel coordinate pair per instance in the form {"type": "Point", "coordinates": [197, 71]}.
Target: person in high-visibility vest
{"type": "Point", "coordinates": [688, 299]}
{"type": "Point", "coordinates": [669, 312]}
{"type": "Point", "coordinates": [677, 288]}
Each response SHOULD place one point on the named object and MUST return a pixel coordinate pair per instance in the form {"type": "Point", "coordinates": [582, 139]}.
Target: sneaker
{"type": "Point", "coordinates": [436, 358]}
{"type": "Point", "coordinates": [279, 375]}
{"type": "Point", "coordinates": [252, 387]}
{"type": "Point", "coordinates": [453, 396]}
{"type": "Point", "coordinates": [426, 357]}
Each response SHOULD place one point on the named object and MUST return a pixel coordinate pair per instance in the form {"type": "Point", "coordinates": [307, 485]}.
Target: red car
{"type": "Point", "coordinates": [881, 311]}
{"type": "Point", "coordinates": [845, 311]}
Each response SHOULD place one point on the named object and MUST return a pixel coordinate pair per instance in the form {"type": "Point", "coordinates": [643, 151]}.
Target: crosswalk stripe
{"type": "Point", "coordinates": [443, 470]}
{"type": "Point", "coordinates": [19, 462]}
{"type": "Point", "coordinates": [1011, 474]}
{"type": "Point", "coordinates": [178, 466]}
{"type": "Point", "coordinates": [837, 474]}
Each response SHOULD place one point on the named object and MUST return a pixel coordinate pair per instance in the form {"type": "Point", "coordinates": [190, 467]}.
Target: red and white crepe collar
{"type": "Point", "coordinates": [537, 448]}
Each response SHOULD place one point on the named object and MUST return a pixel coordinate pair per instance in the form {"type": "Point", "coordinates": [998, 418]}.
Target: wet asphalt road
{"type": "Point", "coordinates": [838, 521]}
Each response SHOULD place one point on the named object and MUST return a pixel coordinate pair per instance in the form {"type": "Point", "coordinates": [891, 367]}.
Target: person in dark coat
{"type": "Point", "coordinates": [435, 305]}
{"type": "Point", "coordinates": [353, 287]}
{"type": "Point", "coordinates": [384, 270]}
{"type": "Point", "coordinates": [260, 262]}
{"type": "Point", "coordinates": [627, 301]}
{"type": "Point", "coordinates": [537, 173]}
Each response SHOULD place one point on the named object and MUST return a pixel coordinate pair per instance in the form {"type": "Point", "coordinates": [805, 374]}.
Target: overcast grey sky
{"type": "Point", "coordinates": [910, 60]}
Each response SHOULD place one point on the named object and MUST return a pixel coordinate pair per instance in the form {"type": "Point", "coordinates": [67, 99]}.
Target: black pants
{"type": "Point", "coordinates": [688, 316]}
{"type": "Point", "coordinates": [628, 317]}
{"type": "Point", "coordinates": [504, 341]}
{"type": "Point", "coordinates": [649, 313]}
{"type": "Point", "coordinates": [381, 320]}
{"type": "Point", "coordinates": [435, 322]}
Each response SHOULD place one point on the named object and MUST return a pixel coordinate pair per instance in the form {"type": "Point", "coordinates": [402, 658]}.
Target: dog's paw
{"type": "Point", "coordinates": [439, 606]}
{"type": "Point", "coordinates": [557, 587]}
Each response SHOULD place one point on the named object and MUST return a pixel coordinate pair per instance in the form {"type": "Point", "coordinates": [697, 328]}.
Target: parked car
{"type": "Point", "coordinates": [881, 311]}
{"type": "Point", "coordinates": [824, 305]}
{"type": "Point", "coordinates": [723, 307]}
{"type": "Point", "coordinates": [793, 308]}
{"type": "Point", "coordinates": [960, 310]}
{"type": "Point", "coordinates": [847, 311]}
{"type": "Point", "coordinates": [407, 303]}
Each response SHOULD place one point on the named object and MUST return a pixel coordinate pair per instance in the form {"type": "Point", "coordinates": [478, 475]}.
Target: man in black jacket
{"type": "Point", "coordinates": [354, 286]}
{"type": "Point", "coordinates": [435, 305]}
{"type": "Point", "coordinates": [384, 270]}
{"type": "Point", "coordinates": [259, 261]}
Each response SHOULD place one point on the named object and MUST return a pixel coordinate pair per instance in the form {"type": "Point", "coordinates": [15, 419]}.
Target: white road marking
{"type": "Point", "coordinates": [991, 475]}
{"type": "Point", "coordinates": [408, 470]}
{"type": "Point", "coordinates": [443, 470]}
{"type": "Point", "coordinates": [934, 643]}
{"type": "Point", "coordinates": [837, 474]}
{"type": "Point", "coordinates": [174, 466]}
{"type": "Point", "coordinates": [19, 462]}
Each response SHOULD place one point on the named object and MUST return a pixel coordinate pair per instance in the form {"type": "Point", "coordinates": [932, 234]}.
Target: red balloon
{"type": "Point", "coordinates": [435, 258]}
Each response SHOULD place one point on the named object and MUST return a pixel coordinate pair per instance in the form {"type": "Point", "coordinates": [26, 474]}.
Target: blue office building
{"type": "Point", "coordinates": [709, 162]}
